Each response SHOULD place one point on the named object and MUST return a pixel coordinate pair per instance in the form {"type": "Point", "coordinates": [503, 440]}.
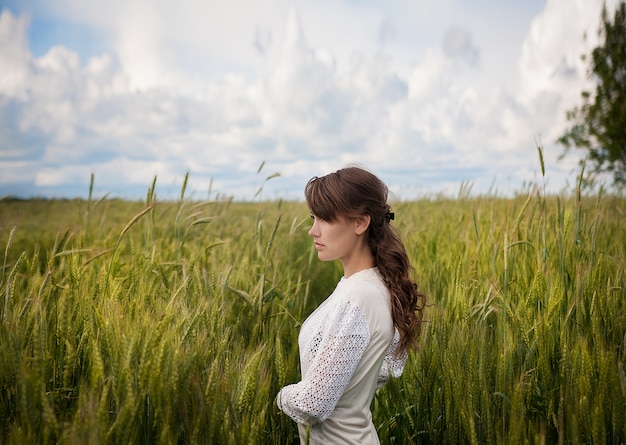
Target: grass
{"type": "Point", "coordinates": [177, 322]}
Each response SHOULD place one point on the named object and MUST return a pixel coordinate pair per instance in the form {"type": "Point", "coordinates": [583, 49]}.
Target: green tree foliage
{"type": "Point", "coordinates": [599, 124]}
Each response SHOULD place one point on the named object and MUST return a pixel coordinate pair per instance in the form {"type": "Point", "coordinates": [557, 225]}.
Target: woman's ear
{"type": "Point", "coordinates": [362, 222]}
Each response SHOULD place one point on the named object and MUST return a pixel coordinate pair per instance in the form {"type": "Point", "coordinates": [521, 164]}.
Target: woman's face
{"type": "Point", "coordinates": [335, 240]}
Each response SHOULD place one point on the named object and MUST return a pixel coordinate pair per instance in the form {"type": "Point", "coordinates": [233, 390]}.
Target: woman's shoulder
{"type": "Point", "coordinates": [364, 287]}
{"type": "Point", "coordinates": [366, 276]}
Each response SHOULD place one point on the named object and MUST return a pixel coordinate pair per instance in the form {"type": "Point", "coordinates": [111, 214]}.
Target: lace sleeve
{"type": "Point", "coordinates": [393, 364]}
{"type": "Point", "coordinates": [336, 355]}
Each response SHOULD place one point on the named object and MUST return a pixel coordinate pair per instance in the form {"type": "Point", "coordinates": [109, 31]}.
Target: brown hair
{"type": "Point", "coordinates": [352, 192]}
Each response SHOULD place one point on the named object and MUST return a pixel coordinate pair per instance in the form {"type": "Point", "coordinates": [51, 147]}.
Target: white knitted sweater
{"type": "Point", "coordinates": [347, 350]}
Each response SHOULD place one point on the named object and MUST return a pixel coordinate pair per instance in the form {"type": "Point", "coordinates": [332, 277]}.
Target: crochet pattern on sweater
{"type": "Point", "coordinates": [347, 350]}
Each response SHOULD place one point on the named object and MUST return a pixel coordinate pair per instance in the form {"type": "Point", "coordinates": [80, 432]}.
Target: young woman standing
{"type": "Point", "coordinates": [361, 334]}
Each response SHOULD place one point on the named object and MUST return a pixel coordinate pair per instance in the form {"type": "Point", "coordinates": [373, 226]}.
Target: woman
{"type": "Point", "coordinates": [363, 331]}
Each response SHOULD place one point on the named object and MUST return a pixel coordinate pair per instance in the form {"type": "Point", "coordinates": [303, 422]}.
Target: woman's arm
{"type": "Point", "coordinates": [339, 351]}
{"type": "Point", "coordinates": [393, 364]}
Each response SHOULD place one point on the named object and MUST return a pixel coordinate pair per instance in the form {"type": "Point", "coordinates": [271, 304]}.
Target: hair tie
{"type": "Point", "coordinates": [389, 216]}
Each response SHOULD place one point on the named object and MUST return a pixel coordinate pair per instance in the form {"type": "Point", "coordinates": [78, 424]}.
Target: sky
{"type": "Point", "coordinates": [250, 99]}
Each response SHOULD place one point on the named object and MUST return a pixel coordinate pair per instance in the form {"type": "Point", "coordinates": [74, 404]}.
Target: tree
{"type": "Point", "coordinates": [599, 124]}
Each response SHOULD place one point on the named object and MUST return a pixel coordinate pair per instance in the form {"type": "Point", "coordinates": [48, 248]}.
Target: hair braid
{"type": "Point", "coordinates": [407, 301]}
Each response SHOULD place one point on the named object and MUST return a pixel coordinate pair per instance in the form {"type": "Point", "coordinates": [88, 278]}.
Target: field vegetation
{"type": "Point", "coordinates": [177, 322]}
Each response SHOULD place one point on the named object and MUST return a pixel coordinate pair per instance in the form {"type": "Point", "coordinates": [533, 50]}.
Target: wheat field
{"type": "Point", "coordinates": [176, 322]}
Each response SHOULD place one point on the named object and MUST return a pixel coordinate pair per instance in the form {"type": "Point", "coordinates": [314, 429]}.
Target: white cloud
{"type": "Point", "coordinates": [281, 84]}
{"type": "Point", "coordinates": [13, 53]}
